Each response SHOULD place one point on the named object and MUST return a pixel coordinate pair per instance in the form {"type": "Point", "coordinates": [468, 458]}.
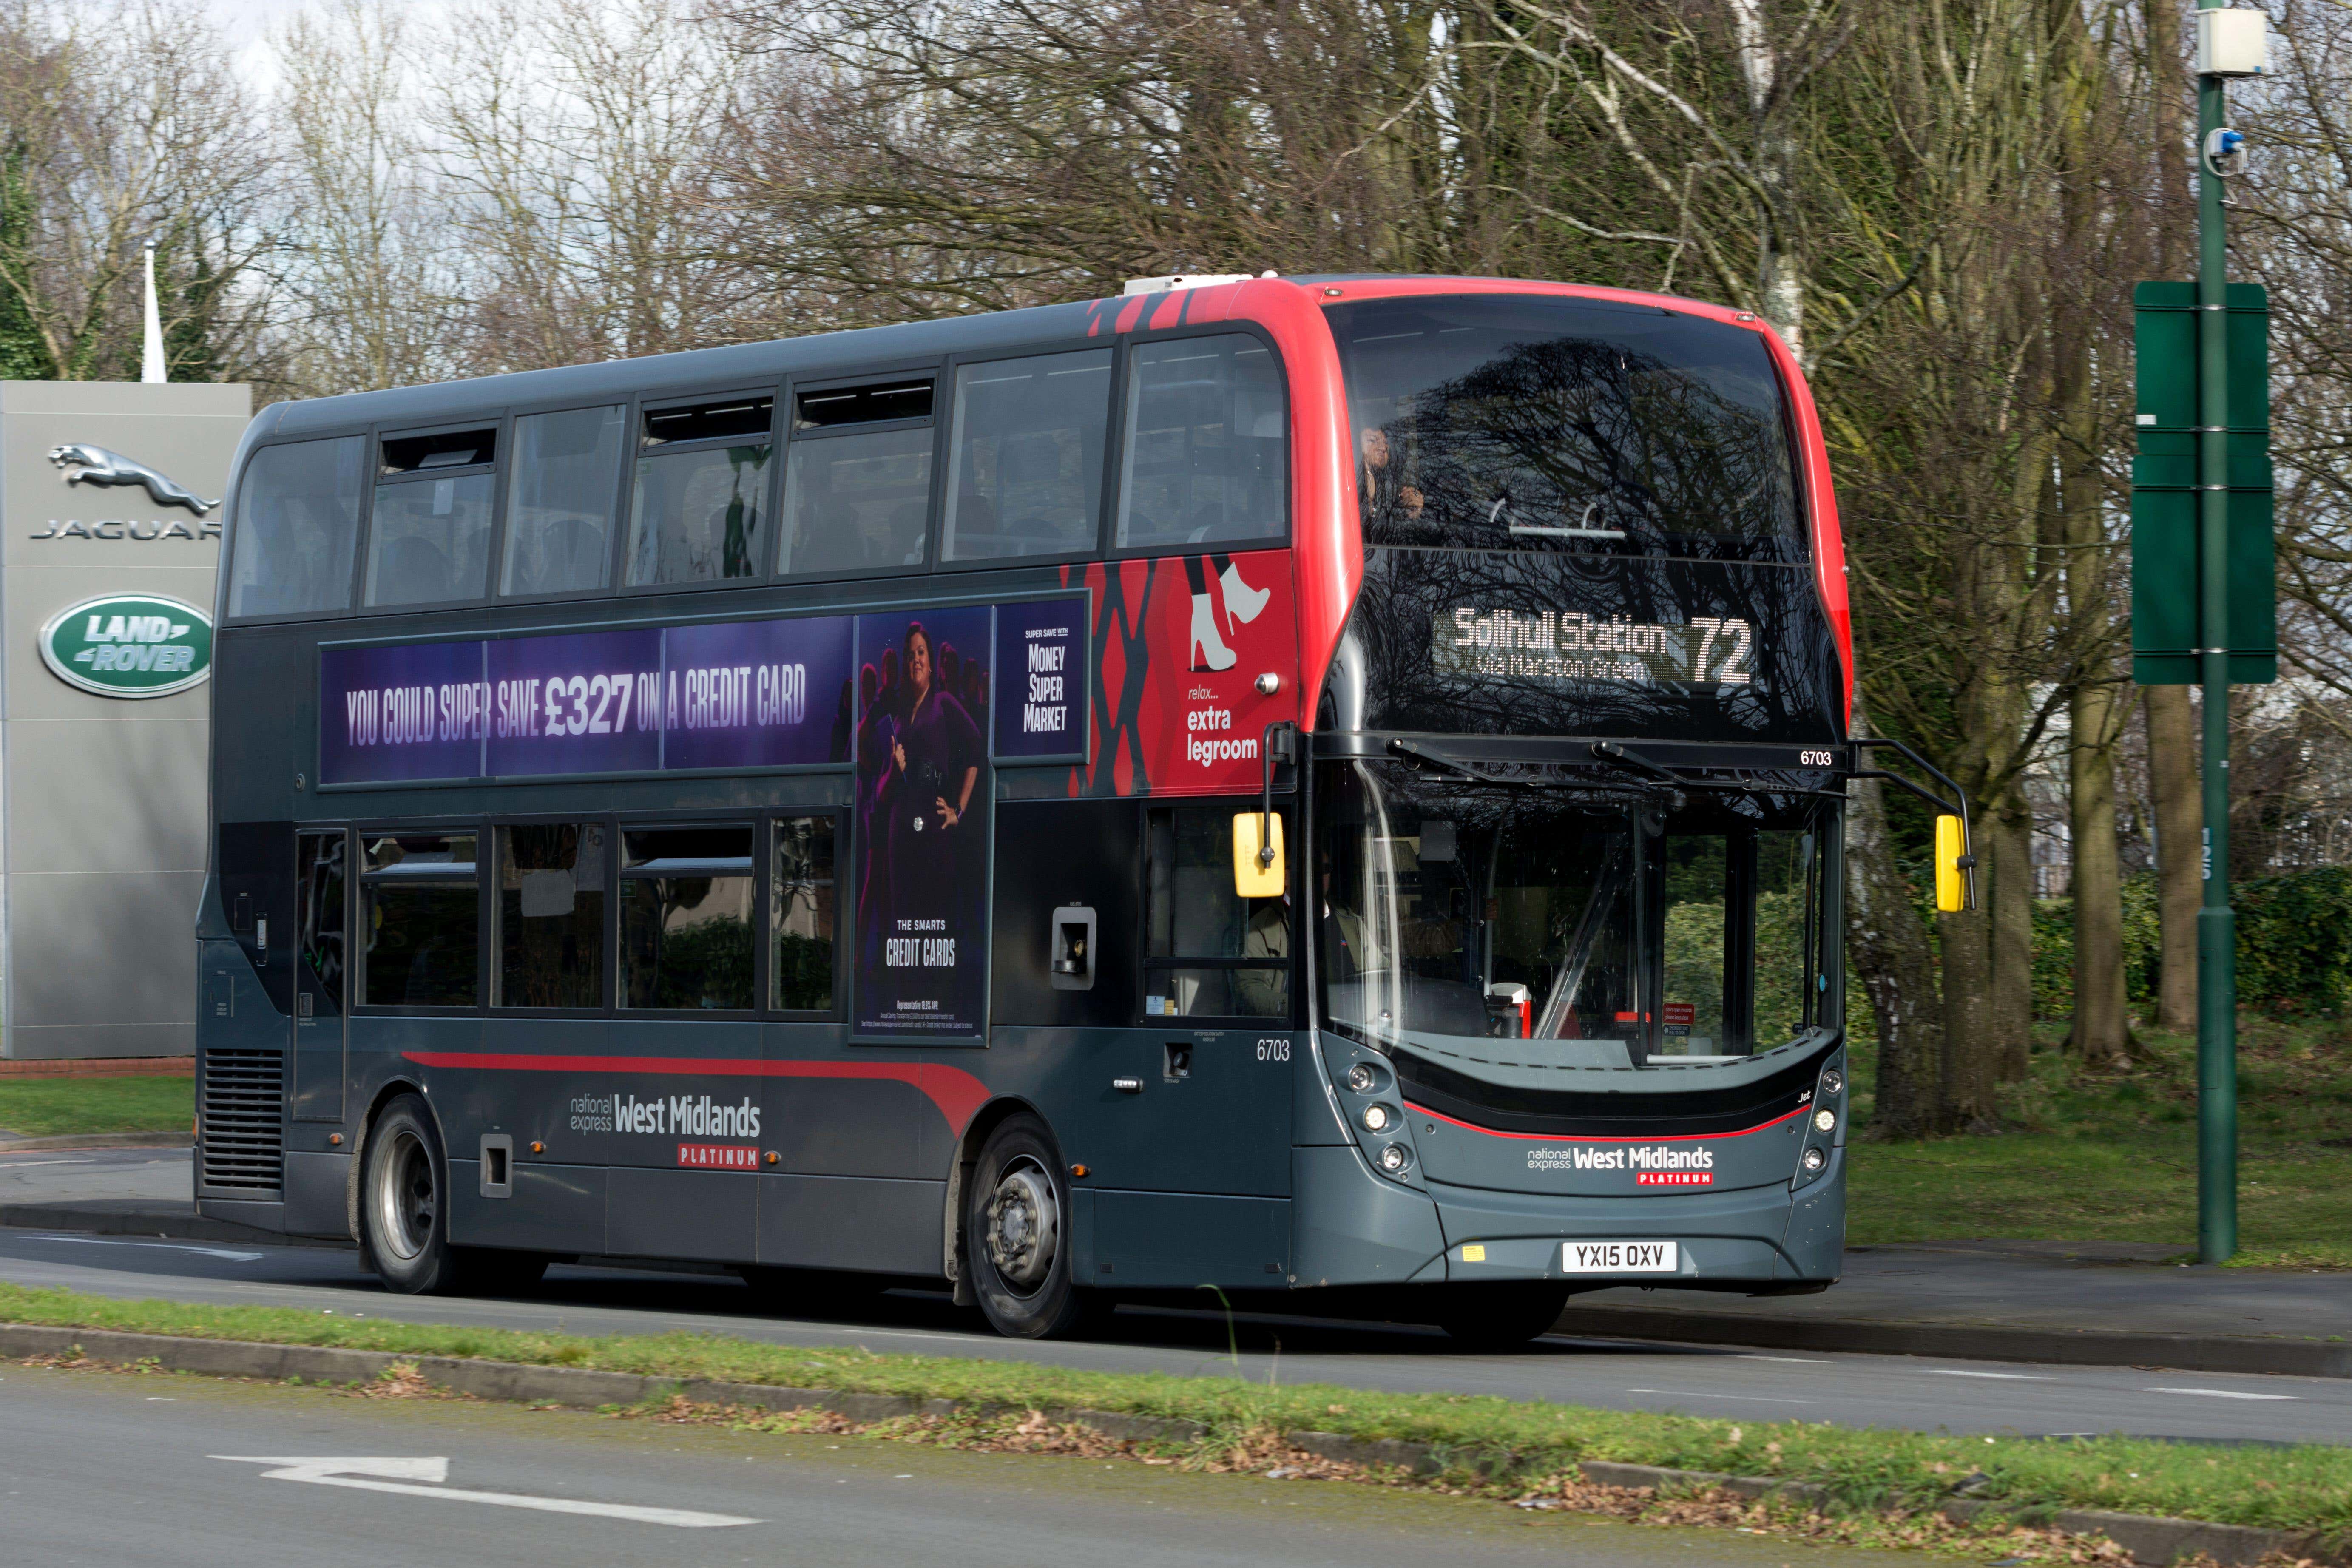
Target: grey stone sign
{"type": "Point", "coordinates": [108, 491]}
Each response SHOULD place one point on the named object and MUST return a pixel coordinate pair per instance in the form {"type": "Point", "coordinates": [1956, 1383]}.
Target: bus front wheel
{"type": "Point", "coordinates": [1017, 1236]}
{"type": "Point", "coordinates": [405, 1216]}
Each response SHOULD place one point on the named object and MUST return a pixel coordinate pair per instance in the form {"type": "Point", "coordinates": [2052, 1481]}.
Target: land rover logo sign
{"type": "Point", "coordinates": [129, 645]}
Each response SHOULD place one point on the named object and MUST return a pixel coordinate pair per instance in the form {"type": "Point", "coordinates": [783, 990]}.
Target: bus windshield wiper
{"type": "Point", "coordinates": [1415, 752]}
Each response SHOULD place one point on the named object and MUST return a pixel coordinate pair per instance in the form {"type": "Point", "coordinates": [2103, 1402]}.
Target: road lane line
{"type": "Point", "coordinates": [2018, 1376]}
{"type": "Point", "coordinates": [1794, 1360]}
{"type": "Point", "coordinates": [357, 1474]}
{"type": "Point", "coordinates": [166, 1245]}
{"type": "Point", "coordinates": [2221, 1392]}
{"type": "Point", "coordinates": [1694, 1394]}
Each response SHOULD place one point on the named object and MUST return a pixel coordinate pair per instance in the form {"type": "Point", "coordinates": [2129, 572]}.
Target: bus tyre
{"type": "Point", "coordinates": [404, 1202]}
{"type": "Point", "coordinates": [1017, 1236]}
{"type": "Point", "coordinates": [1500, 1317]}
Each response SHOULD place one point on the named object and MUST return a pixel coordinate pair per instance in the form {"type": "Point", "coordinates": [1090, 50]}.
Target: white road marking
{"type": "Point", "coordinates": [1694, 1394]}
{"type": "Point", "coordinates": [1796, 1360]}
{"type": "Point", "coordinates": [398, 1476]}
{"type": "Point", "coordinates": [233, 1257]}
{"type": "Point", "coordinates": [29, 1164]}
{"type": "Point", "coordinates": [2221, 1392]}
{"type": "Point", "coordinates": [2018, 1376]}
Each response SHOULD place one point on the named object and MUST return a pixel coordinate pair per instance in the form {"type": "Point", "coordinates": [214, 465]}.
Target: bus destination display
{"type": "Point", "coordinates": [1571, 646]}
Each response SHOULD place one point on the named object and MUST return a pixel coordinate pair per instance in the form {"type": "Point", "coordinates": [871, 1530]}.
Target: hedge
{"type": "Point", "coordinates": [2295, 945]}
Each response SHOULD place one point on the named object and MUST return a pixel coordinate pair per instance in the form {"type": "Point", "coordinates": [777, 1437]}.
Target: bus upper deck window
{"type": "Point", "coordinates": [1025, 461]}
{"type": "Point", "coordinates": [562, 484]}
{"type": "Point", "coordinates": [857, 481]}
{"type": "Point", "coordinates": [298, 523]}
{"type": "Point", "coordinates": [429, 533]}
{"type": "Point", "coordinates": [701, 490]}
{"type": "Point", "coordinates": [1203, 454]}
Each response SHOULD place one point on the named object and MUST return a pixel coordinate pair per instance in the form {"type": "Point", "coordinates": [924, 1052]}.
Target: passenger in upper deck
{"type": "Point", "coordinates": [1379, 497]}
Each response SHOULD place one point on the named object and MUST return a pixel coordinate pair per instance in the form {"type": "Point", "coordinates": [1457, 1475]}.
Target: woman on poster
{"type": "Point", "coordinates": [935, 757]}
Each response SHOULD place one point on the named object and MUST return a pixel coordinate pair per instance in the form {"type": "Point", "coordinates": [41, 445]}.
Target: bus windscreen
{"type": "Point", "coordinates": [1525, 422]}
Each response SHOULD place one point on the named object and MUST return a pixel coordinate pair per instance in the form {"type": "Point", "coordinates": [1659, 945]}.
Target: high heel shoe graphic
{"type": "Point", "coordinates": [1243, 601]}
{"type": "Point", "coordinates": [1209, 649]}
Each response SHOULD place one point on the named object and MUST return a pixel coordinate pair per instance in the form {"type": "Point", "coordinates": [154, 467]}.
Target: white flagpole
{"type": "Point", "coordinates": [151, 361]}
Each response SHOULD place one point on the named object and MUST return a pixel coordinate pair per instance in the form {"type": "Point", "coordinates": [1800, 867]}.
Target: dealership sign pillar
{"type": "Point", "coordinates": [111, 512]}
{"type": "Point", "coordinates": [2203, 585]}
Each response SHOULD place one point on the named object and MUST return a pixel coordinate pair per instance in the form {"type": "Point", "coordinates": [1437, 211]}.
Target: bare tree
{"type": "Point", "coordinates": [121, 124]}
{"type": "Point", "coordinates": [373, 279]}
{"type": "Point", "coordinates": [578, 140]}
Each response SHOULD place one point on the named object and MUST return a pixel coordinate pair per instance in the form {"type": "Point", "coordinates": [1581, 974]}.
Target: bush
{"type": "Point", "coordinates": [2295, 945]}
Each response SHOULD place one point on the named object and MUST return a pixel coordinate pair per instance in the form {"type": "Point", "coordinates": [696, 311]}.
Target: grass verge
{"type": "Point", "coordinates": [53, 1107]}
{"type": "Point", "coordinates": [2300, 1489]}
{"type": "Point", "coordinates": [2114, 1158]}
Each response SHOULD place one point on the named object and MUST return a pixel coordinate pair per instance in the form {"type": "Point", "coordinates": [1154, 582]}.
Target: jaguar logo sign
{"type": "Point", "coordinates": [86, 465]}
{"type": "Point", "coordinates": [129, 645]}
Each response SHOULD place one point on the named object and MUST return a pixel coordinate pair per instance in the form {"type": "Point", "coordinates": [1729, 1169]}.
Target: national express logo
{"type": "Point", "coordinates": [129, 646]}
{"type": "Point", "coordinates": [1653, 1164]}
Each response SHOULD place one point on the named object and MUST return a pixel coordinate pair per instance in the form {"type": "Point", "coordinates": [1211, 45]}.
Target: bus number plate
{"type": "Point", "coordinates": [1618, 1258]}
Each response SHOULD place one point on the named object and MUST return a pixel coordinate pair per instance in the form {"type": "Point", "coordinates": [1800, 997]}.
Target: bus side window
{"type": "Point", "coordinates": [429, 530]}
{"type": "Point", "coordinates": [701, 492]}
{"type": "Point", "coordinates": [551, 915]}
{"type": "Point", "coordinates": [1203, 458]}
{"type": "Point", "coordinates": [857, 481]}
{"type": "Point", "coordinates": [687, 918]}
{"type": "Point", "coordinates": [420, 922]}
{"type": "Point", "coordinates": [1025, 458]}
{"type": "Point", "coordinates": [801, 906]}
{"type": "Point", "coordinates": [560, 492]}
{"type": "Point", "coordinates": [298, 523]}
{"type": "Point", "coordinates": [1208, 953]}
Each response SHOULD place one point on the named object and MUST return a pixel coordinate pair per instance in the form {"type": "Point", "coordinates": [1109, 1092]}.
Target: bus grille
{"type": "Point", "coordinates": [244, 1120]}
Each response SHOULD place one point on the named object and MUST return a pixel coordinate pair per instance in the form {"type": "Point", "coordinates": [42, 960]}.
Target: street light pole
{"type": "Point", "coordinates": [2217, 981]}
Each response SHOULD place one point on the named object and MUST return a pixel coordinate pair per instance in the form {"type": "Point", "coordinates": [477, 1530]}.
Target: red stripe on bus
{"type": "Point", "coordinates": [956, 1092]}
{"type": "Point", "coordinates": [1582, 1138]}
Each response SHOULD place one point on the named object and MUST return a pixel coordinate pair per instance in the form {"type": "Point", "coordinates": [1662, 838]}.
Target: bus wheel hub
{"type": "Point", "coordinates": [1021, 1226]}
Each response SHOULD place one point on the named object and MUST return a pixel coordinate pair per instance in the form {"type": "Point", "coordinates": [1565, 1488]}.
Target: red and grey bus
{"type": "Point", "coordinates": [1326, 788]}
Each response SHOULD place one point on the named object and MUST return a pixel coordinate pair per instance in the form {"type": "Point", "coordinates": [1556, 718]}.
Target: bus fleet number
{"type": "Point", "coordinates": [1273, 1050]}
{"type": "Point", "coordinates": [1815, 760]}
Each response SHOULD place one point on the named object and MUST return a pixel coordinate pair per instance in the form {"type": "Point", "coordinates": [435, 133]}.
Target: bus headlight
{"type": "Point", "coordinates": [1833, 1081]}
{"type": "Point", "coordinates": [1815, 1159]}
{"type": "Point", "coordinates": [1362, 1079]}
{"type": "Point", "coordinates": [1825, 1119]}
{"type": "Point", "coordinates": [1378, 1118]}
{"type": "Point", "coordinates": [1394, 1157]}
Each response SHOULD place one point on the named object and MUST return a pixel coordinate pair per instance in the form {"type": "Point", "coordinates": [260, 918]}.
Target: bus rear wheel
{"type": "Point", "coordinates": [1500, 1317]}
{"type": "Point", "coordinates": [405, 1216]}
{"type": "Point", "coordinates": [1017, 1236]}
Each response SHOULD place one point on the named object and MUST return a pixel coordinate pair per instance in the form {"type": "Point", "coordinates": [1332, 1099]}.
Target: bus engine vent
{"type": "Point", "coordinates": [243, 1119]}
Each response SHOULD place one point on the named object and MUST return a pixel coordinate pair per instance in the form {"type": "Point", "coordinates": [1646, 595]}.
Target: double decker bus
{"type": "Point", "coordinates": [1299, 785]}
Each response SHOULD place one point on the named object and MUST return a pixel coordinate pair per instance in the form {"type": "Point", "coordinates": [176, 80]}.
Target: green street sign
{"type": "Point", "coordinates": [129, 645]}
{"type": "Point", "coordinates": [2164, 634]}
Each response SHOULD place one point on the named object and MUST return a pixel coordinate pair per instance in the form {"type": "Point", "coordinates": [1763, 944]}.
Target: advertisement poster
{"type": "Point", "coordinates": [923, 822]}
{"type": "Point", "coordinates": [746, 694]}
{"type": "Point", "coordinates": [417, 711]}
{"type": "Point", "coordinates": [736, 694]}
{"type": "Point", "coordinates": [1192, 658]}
{"type": "Point", "coordinates": [589, 703]}
{"type": "Point", "coordinates": [1041, 653]}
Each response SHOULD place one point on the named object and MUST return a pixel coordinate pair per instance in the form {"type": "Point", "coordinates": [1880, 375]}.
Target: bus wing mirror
{"type": "Point", "coordinates": [1953, 862]}
{"type": "Point", "coordinates": [1258, 869]}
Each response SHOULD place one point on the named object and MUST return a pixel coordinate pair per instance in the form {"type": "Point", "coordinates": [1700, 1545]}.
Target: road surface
{"type": "Point", "coordinates": [121, 1470]}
